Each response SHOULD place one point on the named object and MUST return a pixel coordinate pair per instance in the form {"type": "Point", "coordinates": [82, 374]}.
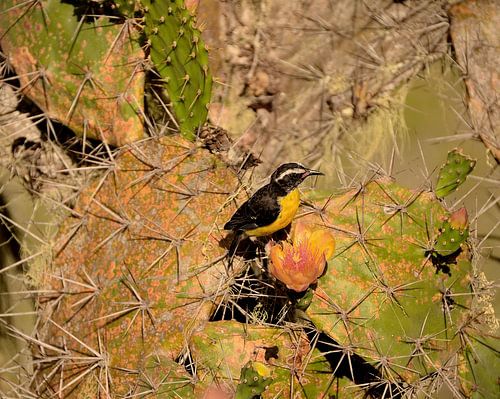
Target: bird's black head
{"type": "Point", "coordinates": [289, 175]}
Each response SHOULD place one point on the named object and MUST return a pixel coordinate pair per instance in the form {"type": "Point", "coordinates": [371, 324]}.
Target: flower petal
{"type": "Point", "coordinates": [324, 241]}
{"type": "Point", "coordinates": [300, 232]}
{"type": "Point", "coordinates": [299, 287]}
{"type": "Point", "coordinates": [275, 253]}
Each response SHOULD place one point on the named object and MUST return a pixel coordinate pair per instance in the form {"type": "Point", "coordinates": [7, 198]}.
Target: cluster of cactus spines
{"type": "Point", "coordinates": [180, 56]}
{"type": "Point", "coordinates": [453, 173]}
{"type": "Point", "coordinates": [83, 74]}
{"type": "Point", "coordinates": [87, 71]}
{"type": "Point", "coordinates": [162, 377]}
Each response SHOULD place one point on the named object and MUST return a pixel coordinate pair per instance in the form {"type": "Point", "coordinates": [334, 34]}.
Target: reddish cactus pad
{"type": "Point", "coordinates": [84, 74]}
{"type": "Point", "coordinates": [136, 269]}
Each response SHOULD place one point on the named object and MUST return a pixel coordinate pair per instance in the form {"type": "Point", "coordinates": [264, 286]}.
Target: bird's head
{"type": "Point", "coordinates": [289, 175]}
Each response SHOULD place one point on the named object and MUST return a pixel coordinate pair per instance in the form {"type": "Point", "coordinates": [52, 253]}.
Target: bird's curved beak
{"type": "Point", "coordinates": [312, 172]}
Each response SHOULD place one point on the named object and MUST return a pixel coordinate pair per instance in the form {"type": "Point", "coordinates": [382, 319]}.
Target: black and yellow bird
{"type": "Point", "coordinates": [273, 206]}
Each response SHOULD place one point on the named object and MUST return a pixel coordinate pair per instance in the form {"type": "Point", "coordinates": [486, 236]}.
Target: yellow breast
{"type": "Point", "coordinates": [289, 205]}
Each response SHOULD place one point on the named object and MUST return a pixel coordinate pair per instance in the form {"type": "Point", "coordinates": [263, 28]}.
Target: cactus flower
{"type": "Point", "coordinates": [299, 262]}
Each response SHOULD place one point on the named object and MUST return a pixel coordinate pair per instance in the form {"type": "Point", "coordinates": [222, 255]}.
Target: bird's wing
{"type": "Point", "coordinates": [260, 210]}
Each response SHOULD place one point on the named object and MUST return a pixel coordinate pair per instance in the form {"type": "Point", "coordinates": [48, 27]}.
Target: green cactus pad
{"type": "Point", "coordinates": [83, 74]}
{"type": "Point", "coordinates": [381, 297]}
{"type": "Point", "coordinates": [181, 59]}
{"type": "Point", "coordinates": [452, 235]}
{"type": "Point", "coordinates": [226, 350]}
{"type": "Point", "coordinates": [253, 380]}
{"type": "Point", "coordinates": [137, 268]}
{"type": "Point", "coordinates": [453, 173]}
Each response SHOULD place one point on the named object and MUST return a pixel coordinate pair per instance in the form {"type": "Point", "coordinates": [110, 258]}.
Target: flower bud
{"type": "Point", "coordinates": [459, 219]}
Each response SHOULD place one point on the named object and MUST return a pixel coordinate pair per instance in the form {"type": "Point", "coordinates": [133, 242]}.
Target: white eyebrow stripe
{"type": "Point", "coordinates": [290, 172]}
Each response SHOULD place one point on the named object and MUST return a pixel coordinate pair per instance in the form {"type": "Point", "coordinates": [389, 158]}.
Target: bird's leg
{"type": "Point", "coordinates": [257, 264]}
{"type": "Point", "coordinates": [233, 248]}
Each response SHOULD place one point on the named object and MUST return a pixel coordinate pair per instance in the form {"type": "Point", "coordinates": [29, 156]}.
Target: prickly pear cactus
{"type": "Point", "coordinates": [382, 297]}
{"type": "Point", "coordinates": [453, 172]}
{"type": "Point", "coordinates": [83, 64]}
{"type": "Point", "coordinates": [258, 360]}
{"type": "Point", "coordinates": [84, 72]}
{"type": "Point", "coordinates": [137, 268]}
{"type": "Point", "coordinates": [181, 59]}
{"type": "Point", "coordinates": [142, 301]}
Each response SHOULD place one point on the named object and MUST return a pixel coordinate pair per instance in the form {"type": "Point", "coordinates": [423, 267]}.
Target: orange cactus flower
{"type": "Point", "coordinates": [299, 263]}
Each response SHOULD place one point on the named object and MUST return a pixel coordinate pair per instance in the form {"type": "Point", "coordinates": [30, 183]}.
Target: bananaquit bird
{"type": "Point", "coordinates": [273, 206]}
